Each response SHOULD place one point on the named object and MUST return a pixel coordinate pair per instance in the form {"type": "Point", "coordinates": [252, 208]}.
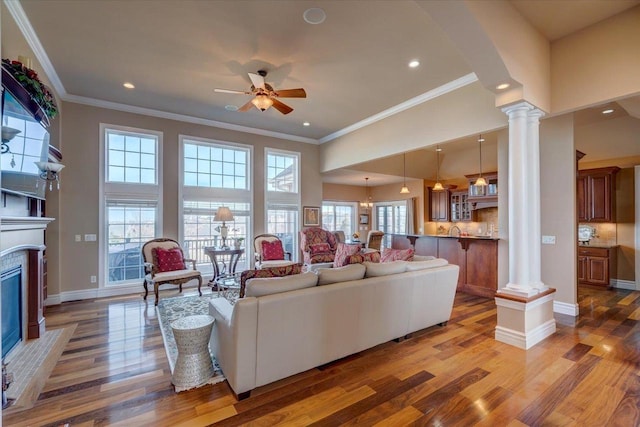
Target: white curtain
{"type": "Point", "coordinates": [411, 215]}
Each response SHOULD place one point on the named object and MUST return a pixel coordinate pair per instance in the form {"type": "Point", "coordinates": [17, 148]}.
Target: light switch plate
{"type": "Point", "coordinates": [78, 238]}
{"type": "Point", "coordinates": [548, 240]}
{"type": "Point", "coordinates": [89, 237]}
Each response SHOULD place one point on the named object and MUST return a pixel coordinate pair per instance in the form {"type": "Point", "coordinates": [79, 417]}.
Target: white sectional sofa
{"type": "Point", "coordinates": [266, 337]}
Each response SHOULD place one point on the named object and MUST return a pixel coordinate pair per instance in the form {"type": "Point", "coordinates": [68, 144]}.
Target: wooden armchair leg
{"type": "Point", "coordinates": [200, 285]}
{"type": "Point", "coordinates": [146, 289]}
{"type": "Point", "coordinates": [155, 286]}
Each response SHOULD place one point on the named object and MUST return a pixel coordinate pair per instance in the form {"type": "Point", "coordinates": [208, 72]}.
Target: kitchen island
{"type": "Point", "coordinates": [477, 257]}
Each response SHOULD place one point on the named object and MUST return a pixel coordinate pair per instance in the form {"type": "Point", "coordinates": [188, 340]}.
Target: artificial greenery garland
{"type": "Point", "coordinates": [30, 81]}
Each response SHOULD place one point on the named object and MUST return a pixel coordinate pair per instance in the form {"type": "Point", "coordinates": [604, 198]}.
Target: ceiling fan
{"type": "Point", "coordinates": [265, 95]}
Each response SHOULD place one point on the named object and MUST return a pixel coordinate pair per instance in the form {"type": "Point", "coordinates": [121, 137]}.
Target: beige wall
{"type": "Point", "coordinates": [625, 219]}
{"type": "Point", "coordinates": [596, 64]}
{"type": "Point", "coordinates": [558, 206]}
{"type": "Point", "coordinates": [79, 202]}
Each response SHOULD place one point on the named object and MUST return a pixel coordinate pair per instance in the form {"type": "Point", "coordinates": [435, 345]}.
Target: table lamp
{"type": "Point", "coordinates": [224, 214]}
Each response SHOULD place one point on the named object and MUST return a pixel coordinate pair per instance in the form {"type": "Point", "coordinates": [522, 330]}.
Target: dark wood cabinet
{"type": "Point", "coordinates": [439, 205]}
{"type": "Point", "coordinates": [595, 194]}
{"type": "Point", "coordinates": [596, 266]}
{"type": "Point", "coordinates": [460, 207]}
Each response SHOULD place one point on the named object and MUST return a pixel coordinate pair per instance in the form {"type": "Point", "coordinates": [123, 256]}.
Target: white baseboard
{"type": "Point", "coordinates": [94, 293]}
{"type": "Point", "coordinates": [528, 340]}
{"type": "Point", "coordinates": [565, 308]}
{"type": "Point", "coordinates": [624, 284]}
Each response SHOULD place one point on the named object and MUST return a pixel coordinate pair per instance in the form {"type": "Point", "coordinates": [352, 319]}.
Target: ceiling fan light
{"type": "Point", "coordinates": [438, 187]}
{"type": "Point", "coordinates": [262, 102]}
{"type": "Point", "coordinates": [481, 182]}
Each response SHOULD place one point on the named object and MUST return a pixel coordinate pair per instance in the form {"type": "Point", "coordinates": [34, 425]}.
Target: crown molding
{"type": "Point", "coordinates": [417, 100]}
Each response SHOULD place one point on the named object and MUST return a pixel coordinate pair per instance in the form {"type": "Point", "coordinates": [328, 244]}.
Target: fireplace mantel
{"type": "Point", "coordinates": [12, 223]}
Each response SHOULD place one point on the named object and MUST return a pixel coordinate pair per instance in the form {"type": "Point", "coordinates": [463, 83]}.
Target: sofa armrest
{"type": "Point", "coordinates": [233, 340]}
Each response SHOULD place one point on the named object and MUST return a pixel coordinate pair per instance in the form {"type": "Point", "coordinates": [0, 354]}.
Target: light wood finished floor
{"type": "Point", "coordinates": [114, 372]}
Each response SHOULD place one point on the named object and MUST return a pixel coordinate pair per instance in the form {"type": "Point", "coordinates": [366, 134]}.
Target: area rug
{"type": "Point", "coordinates": [170, 309]}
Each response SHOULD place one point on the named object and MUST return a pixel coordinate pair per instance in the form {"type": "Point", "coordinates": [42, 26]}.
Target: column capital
{"type": "Point", "coordinates": [519, 107]}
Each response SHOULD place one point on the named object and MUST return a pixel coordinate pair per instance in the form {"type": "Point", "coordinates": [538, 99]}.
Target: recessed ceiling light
{"type": "Point", "coordinates": [306, 124]}
{"type": "Point", "coordinates": [413, 64]}
{"type": "Point", "coordinates": [231, 108]}
{"type": "Point", "coordinates": [314, 16]}
{"type": "Point", "coordinates": [608, 111]}
{"type": "Point", "coordinates": [503, 86]}
{"type": "Point", "coordinates": [129, 85]}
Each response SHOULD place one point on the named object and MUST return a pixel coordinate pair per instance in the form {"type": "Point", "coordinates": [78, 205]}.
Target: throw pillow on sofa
{"type": "Point", "coordinates": [279, 271]}
{"type": "Point", "coordinates": [375, 269]}
{"type": "Point", "coordinates": [168, 259]}
{"type": "Point", "coordinates": [342, 252]}
{"type": "Point", "coordinates": [326, 276]}
{"type": "Point", "coordinates": [360, 257]}
{"type": "Point", "coordinates": [276, 285]}
{"type": "Point", "coordinates": [422, 265]}
{"type": "Point", "coordinates": [397, 255]}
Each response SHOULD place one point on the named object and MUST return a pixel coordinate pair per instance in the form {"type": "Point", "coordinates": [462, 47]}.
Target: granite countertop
{"type": "Point", "coordinates": [446, 236]}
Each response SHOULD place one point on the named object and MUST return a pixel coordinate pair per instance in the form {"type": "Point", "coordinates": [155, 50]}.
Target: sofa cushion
{"type": "Point", "coordinates": [375, 269]}
{"type": "Point", "coordinates": [327, 276]}
{"type": "Point", "coordinates": [397, 255]}
{"type": "Point", "coordinates": [359, 258]}
{"type": "Point", "coordinates": [272, 250]}
{"type": "Point", "coordinates": [168, 259]}
{"type": "Point", "coordinates": [422, 257]}
{"type": "Point", "coordinates": [266, 286]}
{"type": "Point", "coordinates": [278, 271]}
{"type": "Point", "coordinates": [342, 252]}
{"type": "Point", "coordinates": [422, 265]}
{"type": "Point", "coordinates": [319, 248]}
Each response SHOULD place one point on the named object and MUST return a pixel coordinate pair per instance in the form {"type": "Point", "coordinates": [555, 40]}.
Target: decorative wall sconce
{"type": "Point", "coordinates": [50, 171]}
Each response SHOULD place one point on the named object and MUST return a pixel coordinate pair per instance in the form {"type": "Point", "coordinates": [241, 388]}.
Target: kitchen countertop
{"type": "Point", "coordinates": [446, 236]}
{"type": "Point", "coordinates": [599, 246]}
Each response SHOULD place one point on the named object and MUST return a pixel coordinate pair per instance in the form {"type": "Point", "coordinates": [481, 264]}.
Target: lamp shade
{"type": "Point", "coordinates": [223, 214]}
{"type": "Point", "coordinates": [404, 190]}
{"type": "Point", "coordinates": [262, 102]}
{"type": "Point", "coordinates": [438, 186]}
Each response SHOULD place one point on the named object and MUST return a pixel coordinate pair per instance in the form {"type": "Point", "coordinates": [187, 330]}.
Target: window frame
{"type": "Point", "coordinates": [355, 223]}
{"type": "Point", "coordinates": [123, 192]}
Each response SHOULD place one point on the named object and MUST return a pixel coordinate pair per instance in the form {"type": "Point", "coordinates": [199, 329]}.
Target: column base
{"type": "Point", "coordinates": [523, 291]}
{"type": "Point", "coordinates": [524, 322]}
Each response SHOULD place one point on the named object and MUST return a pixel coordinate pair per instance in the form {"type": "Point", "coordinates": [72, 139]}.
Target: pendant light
{"type": "Point", "coordinates": [367, 203]}
{"type": "Point", "coordinates": [438, 186]}
{"type": "Point", "coordinates": [404, 189]}
{"type": "Point", "coordinates": [480, 182]}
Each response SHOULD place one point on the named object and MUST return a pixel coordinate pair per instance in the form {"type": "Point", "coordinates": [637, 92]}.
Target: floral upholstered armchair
{"type": "Point", "coordinates": [317, 245]}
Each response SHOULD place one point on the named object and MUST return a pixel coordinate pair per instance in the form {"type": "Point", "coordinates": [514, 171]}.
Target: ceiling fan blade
{"type": "Point", "coordinates": [232, 91]}
{"type": "Point", "coordinates": [283, 108]}
{"type": "Point", "coordinates": [257, 80]}
{"type": "Point", "coordinates": [291, 93]}
{"type": "Point", "coordinates": [246, 107]}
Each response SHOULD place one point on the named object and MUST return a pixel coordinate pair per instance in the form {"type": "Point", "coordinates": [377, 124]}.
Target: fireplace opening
{"type": "Point", "coordinates": [11, 291]}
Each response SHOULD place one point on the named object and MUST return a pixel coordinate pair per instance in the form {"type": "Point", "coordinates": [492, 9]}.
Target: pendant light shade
{"type": "Point", "coordinates": [404, 189]}
{"type": "Point", "coordinates": [438, 186]}
{"type": "Point", "coordinates": [367, 202]}
{"type": "Point", "coordinates": [480, 182]}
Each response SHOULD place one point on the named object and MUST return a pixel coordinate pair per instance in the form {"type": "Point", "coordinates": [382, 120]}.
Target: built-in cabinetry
{"type": "Point", "coordinates": [439, 205]}
{"type": "Point", "coordinates": [595, 192]}
{"type": "Point", "coordinates": [481, 196]}
{"type": "Point", "coordinates": [460, 207]}
{"type": "Point", "coordinates": [596, 266]}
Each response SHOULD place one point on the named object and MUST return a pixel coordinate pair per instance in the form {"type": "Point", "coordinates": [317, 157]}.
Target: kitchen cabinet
{"type": "Point", "coordinates": [460, 207]}
{"type": "Point", "coordinates": [596, 266]}
{"type": "Point", "coordinates": [595, 193]}
{"type": "Point", "coordinates": [439, 205]}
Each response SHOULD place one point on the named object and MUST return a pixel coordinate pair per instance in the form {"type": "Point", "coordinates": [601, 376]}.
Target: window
{"type": "Point", "coordinates": [131, 194]}
{"type": "Point", "coordinates": [282, 197]}
{"type": "Point", "coordinates": [215, 166]}
{"type": "Point", "coordinates": [340, 216]}
{"type": "Point", "coordinates": [392, 219]}
{"type": "Point", "coordinates": [214, 174]}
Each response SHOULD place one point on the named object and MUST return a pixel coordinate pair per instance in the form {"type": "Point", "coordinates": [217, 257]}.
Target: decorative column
{"type": "Point", "coordinates": [525, 304]}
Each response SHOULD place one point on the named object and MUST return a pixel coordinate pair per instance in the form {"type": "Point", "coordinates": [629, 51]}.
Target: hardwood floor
{"type": "Point", "coordinates": [114, 371]}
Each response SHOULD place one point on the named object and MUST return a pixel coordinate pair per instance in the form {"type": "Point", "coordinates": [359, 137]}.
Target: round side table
{"type": "Point", "coordinates": [193, 365]}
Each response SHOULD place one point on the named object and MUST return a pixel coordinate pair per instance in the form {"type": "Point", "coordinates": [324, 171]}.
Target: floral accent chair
{"type": "Point", "coordinates": [269, 252]}
{"type": "Point", "coordinates": [164, 263]}
{"type": "Point", "coordinates": [317, 245]}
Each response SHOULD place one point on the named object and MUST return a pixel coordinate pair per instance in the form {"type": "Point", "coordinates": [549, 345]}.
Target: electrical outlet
{"type": "Point", "coordinates": [94, 279]}
{"type": "Point", "coordinates": [78, 238]}
{"type": "Point", "coordinates": [548, 240]}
